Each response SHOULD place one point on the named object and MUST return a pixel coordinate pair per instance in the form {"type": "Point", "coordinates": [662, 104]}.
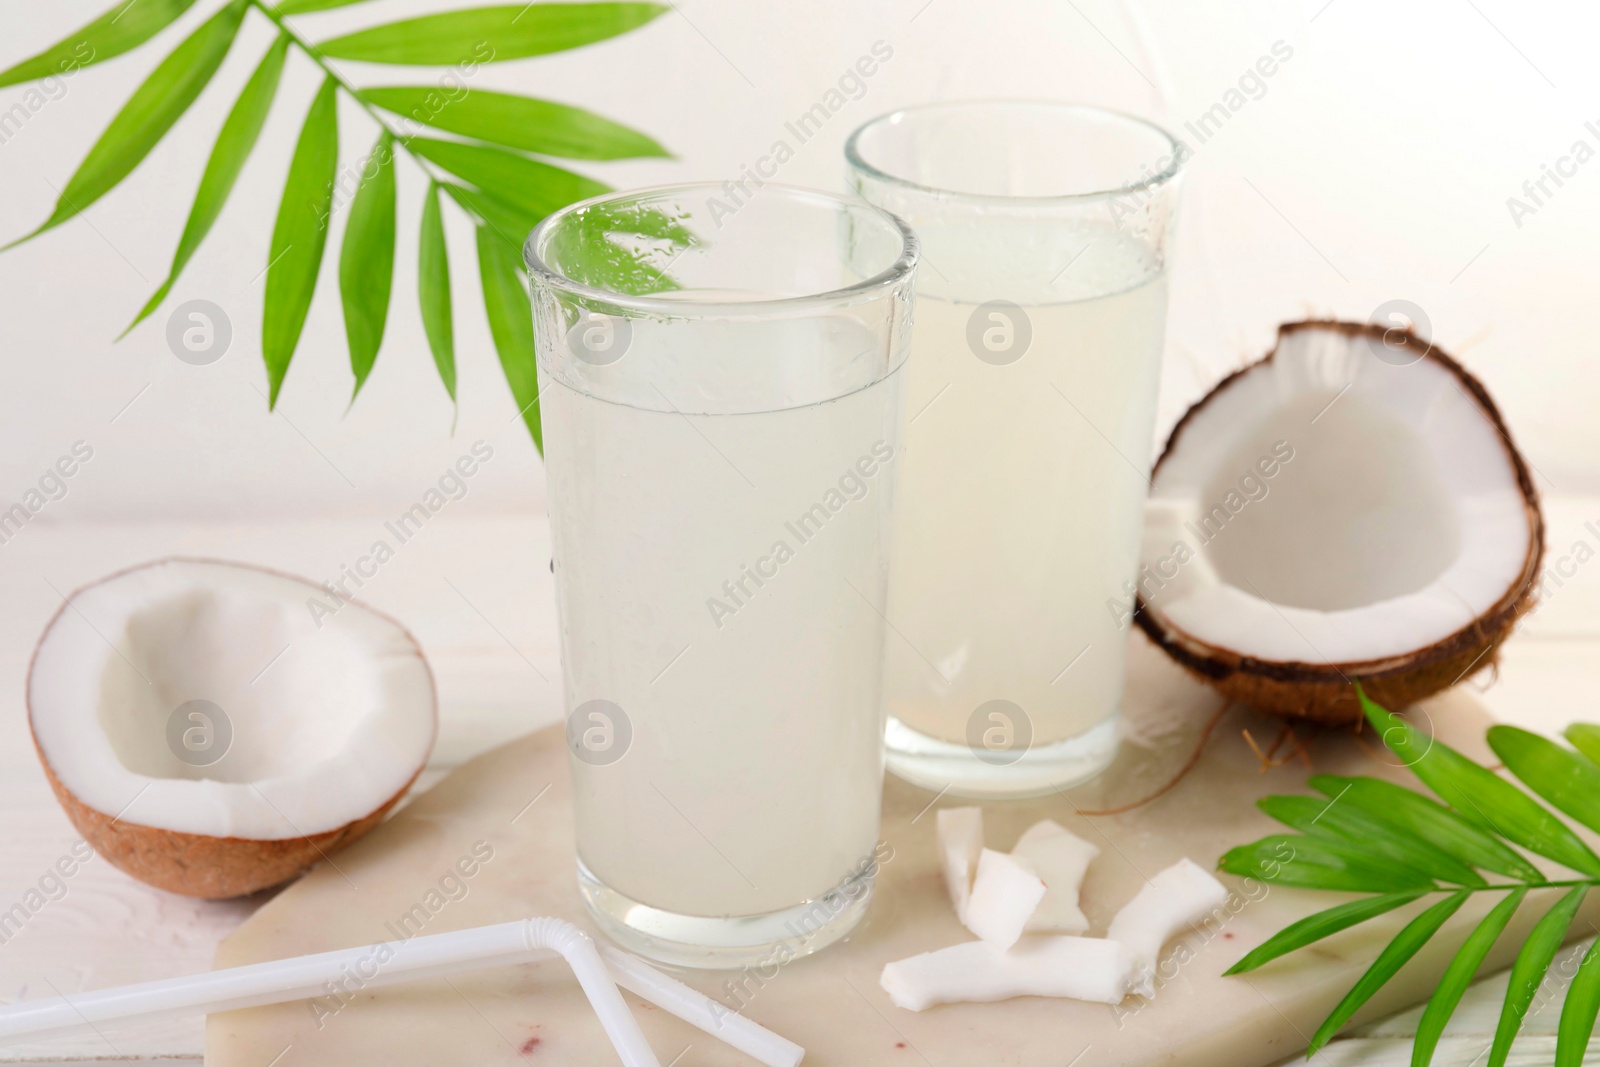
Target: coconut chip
{"type": "Point", "coordinates": [1060, 858]}
{"type": "Point", "coordinates": [960, 833]}
{"type": "Point", "coordinates": [1004, 896]}
{"type": "Point", "coordinates": [1082, 968]}
{"type": "Point", "coordinates": [1178, 897]}
{"type": "Point", "coordinates": [998, 896]}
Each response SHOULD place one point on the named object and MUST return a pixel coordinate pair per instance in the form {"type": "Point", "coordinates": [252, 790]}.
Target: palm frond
{"type": "Point", "coordinates": [147, 116]}
{"type": "Point", "coordinates": [540, 126]}
{"type": "Point", "coordinates": [497, 183]}
{"type": "Point", "coordinates": [490, 34]}
{"type": "Point", "coordinates": [238, 137]}
{"type": "Point", "coordinates": [366, 261]}
{"type": "Point", "coordinates": [123, 28]}
{"type": "Point", "coordinates": [1398, 847]}
{"type": "Point", "coordinates": [433, 291]}
{"type": "Point", "coordinates": [299, 236]}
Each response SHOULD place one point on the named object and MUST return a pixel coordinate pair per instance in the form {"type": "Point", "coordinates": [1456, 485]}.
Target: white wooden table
{"type": "Point", "coordinates": [476, 591]}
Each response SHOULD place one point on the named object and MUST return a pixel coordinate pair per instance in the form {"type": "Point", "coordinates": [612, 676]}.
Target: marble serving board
{"type": "Point", "coordinates": [508, 815]}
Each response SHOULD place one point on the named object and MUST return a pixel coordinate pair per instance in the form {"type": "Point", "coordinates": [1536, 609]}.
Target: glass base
{"type": "Point", "coordinates": [958, 770]}
{"type": "Point", "coordinates": [727, 943]}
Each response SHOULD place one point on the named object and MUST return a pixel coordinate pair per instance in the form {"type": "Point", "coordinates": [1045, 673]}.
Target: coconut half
{"type": "Point", "coordinates": [210, 736]}
{"type": "Point", "coordinates": [1350, 507]}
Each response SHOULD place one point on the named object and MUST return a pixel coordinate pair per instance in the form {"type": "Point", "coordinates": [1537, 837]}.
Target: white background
{"type": "Point", "coordinates": [1376, 165]}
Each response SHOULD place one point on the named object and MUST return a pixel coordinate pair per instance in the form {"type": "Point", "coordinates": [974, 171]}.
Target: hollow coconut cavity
{"type": "Point", "coordinates": [1350, 507]}
{"type": "Point", "coordinates": [208, 737]}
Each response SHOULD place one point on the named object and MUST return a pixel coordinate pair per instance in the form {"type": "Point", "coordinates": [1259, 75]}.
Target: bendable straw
{"type": "Point", "coordinates": [599, 971]}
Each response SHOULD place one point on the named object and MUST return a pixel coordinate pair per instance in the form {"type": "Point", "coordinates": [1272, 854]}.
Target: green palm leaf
{"type": "Point", "coordinates": [1394, 956]}
{"type": "Point", "coordinates": [509, 223]}
{"type": "Point", "coordinates": [238, 137]}
{"type": "Point", "coordinates": [1312, 815]}
{"type": "Point", "coordinates": [1585, 737]}
{"type": "Point", "coordinates": [490, 34]}
{"type": "Point", "coordinates": [1323, 924]}
{"type": "Point", "coordinates": [121, 29]}
{"type": "Point", "coordinates": [1578, 1013]}
{"type": "Point", "coordinates": [1528, 972]}
{"type": "Point", "coordinates": [1371, 822]}
{"type": "Point", "coordinates": [1319, 863]}
{"type": "Point", "coordinates": [504, 191]}
{"type": "Point", "coordinates": [541, 126]}
{"type": "Point", "coordinates": [1426, 819]}
{"type": "Point", "coordinates": [1458, 976]}
{"type": "Point", "coordinates": [366, 261]}
{"type": "Point", "coordinates": [1567, 780]}
{"type": "Point", "coordinates": [1479, 794]}
{"type": "Point", "coordinates": [306, 7]}
{"type": "Point", "coordinates": [158, 103]}
{"type": "Point", "coordinates": [299, 236]}
{"type": "Point", "coordinates": [534, 187]}
{"type": "Point", "coordinates": [433, 290]}
{"type": "Point", "coordinates": [511, 322]}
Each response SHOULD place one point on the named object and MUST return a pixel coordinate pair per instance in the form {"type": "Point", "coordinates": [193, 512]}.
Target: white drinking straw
{"type": "Point", "coordinates": [599, 971]}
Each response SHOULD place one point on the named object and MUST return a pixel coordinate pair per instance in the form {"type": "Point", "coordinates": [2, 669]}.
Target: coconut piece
{"type": "Point", "coordinates": [1081, 968]}
{"type": "Point", "coordinates": [1004, 896]}
{"type": "Point", "coordinates": [1060, 858]}
{"type": "Point", "coordinates": [1352, 506]}
{"type": "Point", "coordinates": [1040, 830]}
{"type": "Point", "coordinates": [1176, 898]}
{"type": "Point", "coordinates": [960, 832]}
{"type": "Point", "coordinates": [210, 733]}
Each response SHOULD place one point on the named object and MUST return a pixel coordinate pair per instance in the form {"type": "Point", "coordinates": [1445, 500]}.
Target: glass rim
{"type": "Point", "coordinates": [897, 271]}
{"type": "Point", "coordinates": [1166, 175]}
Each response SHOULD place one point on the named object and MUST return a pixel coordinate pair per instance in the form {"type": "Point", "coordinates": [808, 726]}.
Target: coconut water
{"type": "Point", "coordinates": [1022, 496]}
{"type": "Point", "coordinates": [726, 572]}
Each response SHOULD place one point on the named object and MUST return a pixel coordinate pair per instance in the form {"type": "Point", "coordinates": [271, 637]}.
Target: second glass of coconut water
{"type": "Point", "coordinates": [1040, 317]}
{"type": "Point", "coordinates": [722, 389]}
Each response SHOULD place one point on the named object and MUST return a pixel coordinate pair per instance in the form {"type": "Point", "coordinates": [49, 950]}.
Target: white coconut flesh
{"type": "Point", "coordinates": [1336, 507]}
{"type": "Point", "coordinates": [1008, 896]}
{"type": "Point", "coordinates": [1080, 968]}
{"type": "Point", "coordinates": [960, 832]}
{"type": "Point", "coordinates": [328, 723]}
{"type": "Point", "coordinates": [1174, 900]}
{"type": "Point", "coordinates": [1005, 894]}
{"type": "Point", "coordinates": [1061, 859]}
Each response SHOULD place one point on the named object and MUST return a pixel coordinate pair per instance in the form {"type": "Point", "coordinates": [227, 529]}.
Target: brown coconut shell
{"type": "Point", "coordinates": [197, 865]}
{"type": "Point", "coordinates": [1323, 692]}
{"type": "Point", "coordinates": [200, 865]}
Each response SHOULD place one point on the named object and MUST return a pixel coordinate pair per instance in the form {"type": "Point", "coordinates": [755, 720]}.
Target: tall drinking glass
{"type": "Point", "coordinates": [1040, 315]}
{"type": "Point", "coordinates": [722, 386]}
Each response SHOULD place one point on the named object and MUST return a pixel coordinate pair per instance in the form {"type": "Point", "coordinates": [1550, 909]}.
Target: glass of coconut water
{"type": "Point", "coordinates": [722, 383]}
{"type": "Point", "coordinates": [1039, 322]}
